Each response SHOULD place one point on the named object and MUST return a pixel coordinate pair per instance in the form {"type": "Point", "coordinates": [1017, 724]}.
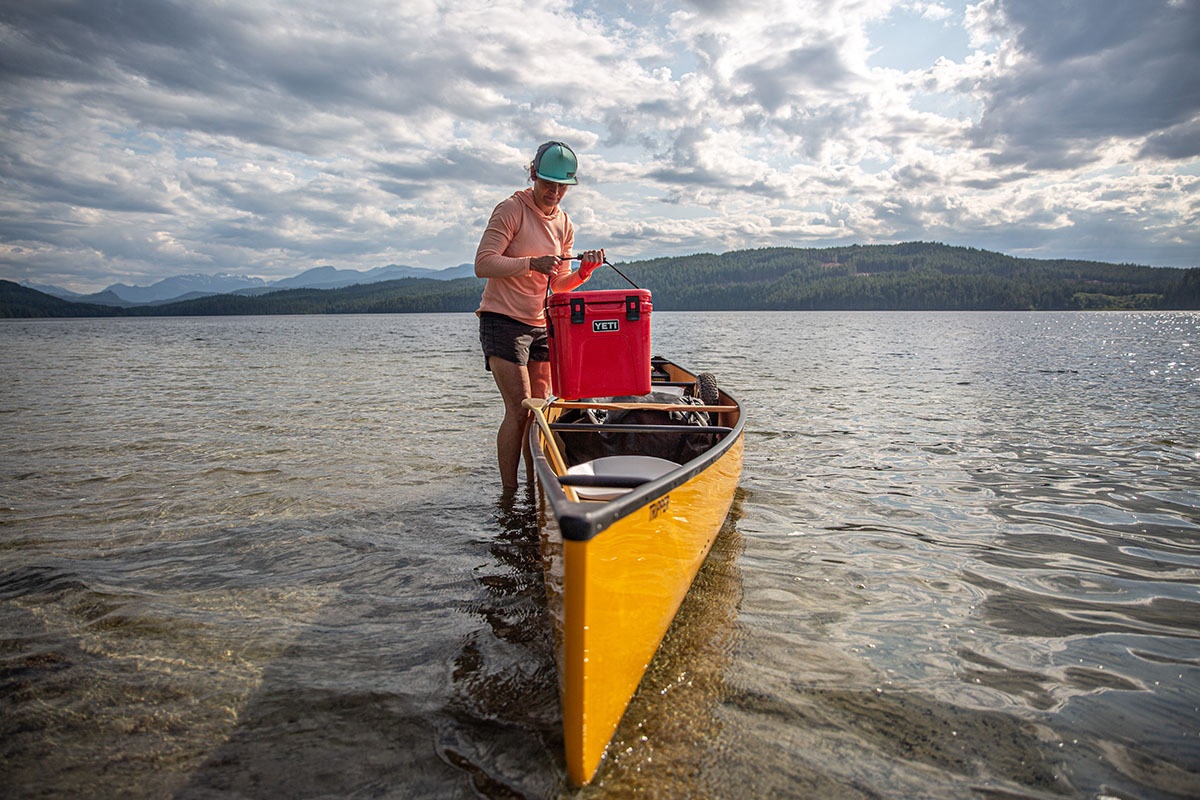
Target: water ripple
{"type": "Point", "coordinates": [265, 557]}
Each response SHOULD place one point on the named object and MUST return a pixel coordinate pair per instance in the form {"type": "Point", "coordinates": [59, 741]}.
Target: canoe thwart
{"type": "Point", "coordinates": [578, 427]}
{"type": "Point", "coordinates": [607, 481]}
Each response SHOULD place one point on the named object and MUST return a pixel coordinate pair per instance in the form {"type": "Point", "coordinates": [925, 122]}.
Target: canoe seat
{"type": "Point", "coordinates": [612, 476]}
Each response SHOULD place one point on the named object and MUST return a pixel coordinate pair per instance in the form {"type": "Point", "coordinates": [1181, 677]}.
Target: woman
{"type": "Point", "coordinates": [526, 245]}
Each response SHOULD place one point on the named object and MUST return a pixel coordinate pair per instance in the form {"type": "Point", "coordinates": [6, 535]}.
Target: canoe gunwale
{"type": "Point", "coordinates": [580, 521]}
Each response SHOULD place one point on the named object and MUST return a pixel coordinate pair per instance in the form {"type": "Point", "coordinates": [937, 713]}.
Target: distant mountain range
{"type": "Point", "coordinates": [190, 287]}
{"type": "Point", "coordinates": [909, 276]}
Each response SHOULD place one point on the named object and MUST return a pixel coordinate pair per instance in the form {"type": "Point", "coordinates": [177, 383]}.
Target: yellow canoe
{"type": "Point", "coordinates": [621, 550]}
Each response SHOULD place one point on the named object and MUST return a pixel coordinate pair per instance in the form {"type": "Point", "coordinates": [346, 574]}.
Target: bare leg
{"type": "Point", "coordinates": [513, 382]}
{"type": "Point", "coordinates": [539, 378]}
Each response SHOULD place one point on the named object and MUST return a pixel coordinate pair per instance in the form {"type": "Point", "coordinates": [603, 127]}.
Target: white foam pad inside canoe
{"type": "Point", "coordinates": [647, 467]}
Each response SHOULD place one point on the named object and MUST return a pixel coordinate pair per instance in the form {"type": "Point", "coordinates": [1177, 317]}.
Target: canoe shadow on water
{"type": "Point", "coordinates": [669, 742]}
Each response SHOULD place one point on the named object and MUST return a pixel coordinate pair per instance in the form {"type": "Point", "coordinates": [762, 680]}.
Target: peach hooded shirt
{"type": "Point", "coordinates": [517, 232]}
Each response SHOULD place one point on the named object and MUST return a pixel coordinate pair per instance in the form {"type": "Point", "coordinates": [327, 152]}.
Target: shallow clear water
{"type": "Point", "coordinates": [269, 557]}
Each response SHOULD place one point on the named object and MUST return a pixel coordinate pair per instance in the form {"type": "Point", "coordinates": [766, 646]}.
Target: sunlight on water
{"type": "Point", "coordinates": [269, 557]}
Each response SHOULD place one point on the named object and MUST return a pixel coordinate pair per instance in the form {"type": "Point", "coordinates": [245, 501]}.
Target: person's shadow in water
{"type": "Point", "coordinates": [505, 704]}
{"type": "Point", "coordinates": [430, 675]}
{"type": "Point", "coordinates": [473, 709]}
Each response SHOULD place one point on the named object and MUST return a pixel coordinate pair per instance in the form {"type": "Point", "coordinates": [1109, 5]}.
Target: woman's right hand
{"type": "Point", "coordinates": [544, 264]}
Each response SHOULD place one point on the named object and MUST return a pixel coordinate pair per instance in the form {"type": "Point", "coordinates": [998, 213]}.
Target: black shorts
{"type": "Point", "coordinates": [511, 339]}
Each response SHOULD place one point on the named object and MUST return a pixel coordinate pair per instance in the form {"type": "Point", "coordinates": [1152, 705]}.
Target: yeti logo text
{"type": "Point", "coordinates": [605, 325]}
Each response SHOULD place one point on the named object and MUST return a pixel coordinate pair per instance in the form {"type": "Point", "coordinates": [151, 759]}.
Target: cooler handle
{"type": "Point", "coordinates": [609, 263]}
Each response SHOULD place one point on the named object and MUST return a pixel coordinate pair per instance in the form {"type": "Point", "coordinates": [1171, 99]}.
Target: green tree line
{"type": "Point", "coordinates": [910, 276]}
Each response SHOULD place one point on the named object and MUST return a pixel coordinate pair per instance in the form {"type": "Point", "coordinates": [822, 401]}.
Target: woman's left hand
{"type": "Point", "coordinates": [589, 260]}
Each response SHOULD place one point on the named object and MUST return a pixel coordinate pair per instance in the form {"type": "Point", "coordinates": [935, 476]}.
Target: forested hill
{"type": "Point", "coordinates": [913, 276]}
{"type": "Point", "coordinates": [384, 297]}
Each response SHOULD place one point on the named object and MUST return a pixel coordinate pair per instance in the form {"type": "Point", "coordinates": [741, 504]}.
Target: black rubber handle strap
{"type": "Point", "coordinates": [609, 263]}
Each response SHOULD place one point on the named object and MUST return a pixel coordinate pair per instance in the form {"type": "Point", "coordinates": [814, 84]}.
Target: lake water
{"type": "Point", "coordinates": [268, 557]}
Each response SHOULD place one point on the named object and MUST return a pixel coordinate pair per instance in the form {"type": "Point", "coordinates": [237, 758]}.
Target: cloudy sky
{"type": "Point", "coordinates": [148, 138]}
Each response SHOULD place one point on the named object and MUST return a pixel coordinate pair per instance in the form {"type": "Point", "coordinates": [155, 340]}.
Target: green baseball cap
{"type": "Point", "coordinates": [555, 162]}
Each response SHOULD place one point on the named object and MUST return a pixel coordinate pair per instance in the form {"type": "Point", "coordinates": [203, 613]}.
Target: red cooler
{"type": "Point", "coordinates": [600, 343]}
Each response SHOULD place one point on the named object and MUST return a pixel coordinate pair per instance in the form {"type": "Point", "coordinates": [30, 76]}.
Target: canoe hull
{"type": "Point", "coordinates": [613, 595]}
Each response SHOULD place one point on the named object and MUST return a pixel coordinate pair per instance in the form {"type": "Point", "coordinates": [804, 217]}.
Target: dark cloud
{"type": "Point", "coordinates": [778, 81]}
{"type": "Point", "coordinates": [240, 70]}
{"type": "Point", "coordinates": [188, 126]}
{"type": "Point", "coordinates": [449, 164]}
{"type": "Point", "coordinates": [49, 184]}
{"type": "Point", "coordinates": [1089, 74]}
{"type": "Point", "coordinates": [996, 181]}
{"type": "Point", "coordinates": [814, 128]}
{"type": "Point", "coordinates": [88, 41]}
{"type": "Point", "coordinates": [714, 7]}
{"type": "Point", "coordinates": [916, 176]}
{"type": "Point", "coordinates": [1177, 142]}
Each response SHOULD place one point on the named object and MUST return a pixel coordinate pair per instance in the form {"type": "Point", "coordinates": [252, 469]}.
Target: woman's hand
{"type": "Point", "coordinates": [589, 260]}
{"type": "Point", "coordinates": [544, 264]}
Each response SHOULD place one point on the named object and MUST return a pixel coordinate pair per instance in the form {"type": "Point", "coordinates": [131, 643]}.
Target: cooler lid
{"type": "Point", "coordinates": [600, 296]}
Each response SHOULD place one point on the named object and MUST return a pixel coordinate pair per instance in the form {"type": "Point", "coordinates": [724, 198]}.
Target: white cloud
{"type": "Point", "coordinates": [933, 11]}
{"type": "Point", "coordinates": [146, 137]}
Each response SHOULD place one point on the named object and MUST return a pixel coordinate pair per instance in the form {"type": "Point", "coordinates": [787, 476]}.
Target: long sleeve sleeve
{"type": "Point", "coordinates": [517, 233]}
{"type": "Point", "coordinates": [566, 281]}
{"type": "Point", "coordinates": [490, 261]}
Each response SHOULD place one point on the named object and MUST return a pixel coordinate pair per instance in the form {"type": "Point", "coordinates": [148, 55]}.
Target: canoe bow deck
{"type": "Point", "coordinates": [617, 570]}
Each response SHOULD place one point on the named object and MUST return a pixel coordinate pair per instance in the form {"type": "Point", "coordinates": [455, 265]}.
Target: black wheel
{"type": "Point", "coordinates": [706, 387]}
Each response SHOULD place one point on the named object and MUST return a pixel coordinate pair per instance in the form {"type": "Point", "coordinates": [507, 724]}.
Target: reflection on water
{"type": "Point", "coordinates": [266, 557]}
{"type": "Point", "coordinates": [505, 703]}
